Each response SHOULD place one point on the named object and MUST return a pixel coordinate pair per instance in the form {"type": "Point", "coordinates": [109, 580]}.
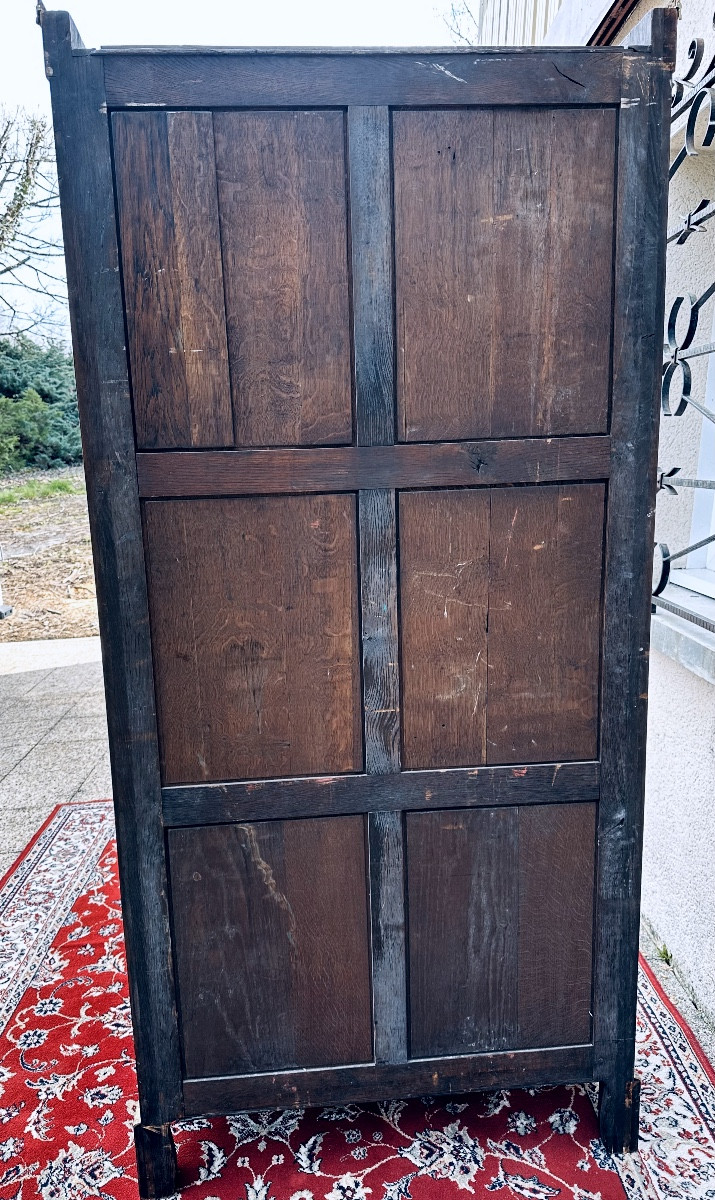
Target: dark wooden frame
{"type": "Point", "coordinates": [85, 86]}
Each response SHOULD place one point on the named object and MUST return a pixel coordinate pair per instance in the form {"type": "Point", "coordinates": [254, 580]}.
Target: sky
{"type": "Point", "coordinates": [210, 22]}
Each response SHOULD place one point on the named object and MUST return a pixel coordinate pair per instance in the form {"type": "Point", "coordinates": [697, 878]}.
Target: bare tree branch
{"type": "Point", "coordinates": [465, 23]}
{"type": "Point", "coordinates": [29, 228]}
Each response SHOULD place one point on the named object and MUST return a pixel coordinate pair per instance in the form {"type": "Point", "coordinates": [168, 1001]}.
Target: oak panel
{"type": "Point", "coordinates": [503, 268]}
{"type": "Point", "coordinates": [171, 259]}
{"type": "Point", "coordinates": [282, 199]}
{"type": "Point", "coordinates": [444, 595]}
{"type": "Point", "coordinates": [463, 903]}
{"type": "Point", "coordinates": [272, 958]}
{"type": "Point", "coordinates": [501, 916]}
{"type": "Point", "coordinates": [556, 902]}
{"type": "Point", "coordinates": [255, 633]}
{"type": "Point", "coordinates": [546, 554]}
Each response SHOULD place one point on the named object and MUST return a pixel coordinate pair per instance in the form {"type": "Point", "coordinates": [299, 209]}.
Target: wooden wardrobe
{"type": "Point", "coordinates": [367, 348]}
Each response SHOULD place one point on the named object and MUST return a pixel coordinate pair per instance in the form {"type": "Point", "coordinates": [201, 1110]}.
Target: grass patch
{"type": "Point", "coordinates": [664, 955]}
{"type": "Point", "coordinates": [39, 489]}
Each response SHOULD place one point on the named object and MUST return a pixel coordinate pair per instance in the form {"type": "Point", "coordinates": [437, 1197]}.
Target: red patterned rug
{"type": "Point", "coordinates": [68, 1098]}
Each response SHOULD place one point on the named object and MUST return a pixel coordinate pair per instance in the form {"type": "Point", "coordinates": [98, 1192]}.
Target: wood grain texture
{"type": "Point", "coordinates": [272, 958]}
{"type": "Point", "coordinates": [380, 667]}
{"type": "Point", "coordinates": [374, 1083]}
{"type": "Point", "coordinates": [546, 551]}
{"type": "Point", "coordinates": [173, 286]}
{"type": "Point", "coordinates": [231, 80]}
{"type": "Point", "coordinates": [388, 921]}
{"type": "Point", "coordinates": [463, 903]}
{"type": "Point", "coordinates": [371, 272]}
{"type": "Point", "coordinates": [353, 468]}
{"type": "Point", "coordinates": [84, 168]}
{"type": "Point", "coordinates": [639, 300]}
{"type": "Point", "coordinates": [255, 636]}
{"type": "Point", "coordinates": [500, 932]}
{"type": "Point", "coordinates": [557, 848]}
{"type": "Point", "coordinates": [503, 272]}
{"type": "Point", "coordinates": [282, 199]}
{"type": "Point", "coordinates": [542, 783]}
{"type": "Point", "coordinates": [444, 600]}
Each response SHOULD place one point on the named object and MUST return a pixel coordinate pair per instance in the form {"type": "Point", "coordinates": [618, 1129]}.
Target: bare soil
{"type": "Point", "coordinates": [46, 570]}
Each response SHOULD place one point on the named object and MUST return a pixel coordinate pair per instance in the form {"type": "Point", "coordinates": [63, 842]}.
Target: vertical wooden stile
{"type": "Point", "coordinates": [638, 323]}
{"type": "Point", "coordinates": [84, 168]}
{"type": "Point", "coordinates": [373, 325]}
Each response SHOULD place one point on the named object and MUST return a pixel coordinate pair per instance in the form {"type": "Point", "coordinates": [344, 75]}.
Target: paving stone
{"type": "Point", "coordinates": [19, 824]}
{"type": "Point", "coordinates": [98, 785]}
{"type": "Point", "coordinates": [12, 753]}
{"type": "Point", "coordinates": [71, 682]}
{"type": "Point", "coordinates": [13, 687]}
{"type": "Point", "coordinates": [29, 720]}
{"type": "Point", "coordinates": [77, 728]}
{"type": "Point", "coordinates": [50, 773]}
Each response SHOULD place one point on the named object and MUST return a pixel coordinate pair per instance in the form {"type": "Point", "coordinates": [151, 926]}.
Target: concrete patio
{"type": "Point", "coordinates": [53, 745]}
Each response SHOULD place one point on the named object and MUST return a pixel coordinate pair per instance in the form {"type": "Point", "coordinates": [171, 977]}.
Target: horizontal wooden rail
{"type": "Point", "coordinates": [370, 1082]}
{"type": "Point", "coordinates": [201, 80]}
{"type": "Point", "coordinates": [165, 474]}
{"type": "Point", "coordinates": [330, 795]}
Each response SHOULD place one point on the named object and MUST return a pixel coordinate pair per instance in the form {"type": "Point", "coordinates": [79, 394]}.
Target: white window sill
{"type": "Point", "coordinates": [685, 642]}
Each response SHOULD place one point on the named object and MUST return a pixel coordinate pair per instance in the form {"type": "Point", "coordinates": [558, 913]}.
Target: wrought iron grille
{"type": "Point", "coordinates": [694, 97]}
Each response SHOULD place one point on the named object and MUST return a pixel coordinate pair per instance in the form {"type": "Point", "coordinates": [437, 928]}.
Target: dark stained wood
{"type": "Point", "coordinates": [444, 598]}
{"type": "Point", "coordinates": [462, 868]}
{"type": "Point", "coordinates": [387, 909]}
{"type": "Point", "coordinates": [557, 847]}
{"type": "Point", "coordinates": [281, 183]}
{"type": "Point", "coordinates": [255, 634]}
{"type": "Point", "coordinates": [546, 548]}
{"type": "Point", "coordinates": [275, 556]}
{"type": "Point", "coordinates": [173, 286]}
{"type": "Point", "coordinates": [554, 268]}
{"type": "Point", "coordinates": [84, 169]}
{"type": "Point", "coordinates": [503, 288]}
{"type": "Point", "coordinates": [500, 932]}
{"type": "Point", "coordinates": [232, 80]}
{"type": "Point", "coordinates": [377, 1083]}
{"type": "Point", "coordinates": [381, 715]}
{"type": "Point", "coordinates": [218, 803]}
{"type": "Point", "coordinates": [156, 1160]}
{"type": "Point", "coordinates": [378, 587]}
{"type": "Point", "coordinates": [643, 153]}
{"type": "Point", "coordinates": [351, 468]}
{"type": "Point", "coordinates": [272, 958]}
{"type": "Point", "coordinates": [444, 272]}
{"type": "Point", "coordinates": [371, 270]}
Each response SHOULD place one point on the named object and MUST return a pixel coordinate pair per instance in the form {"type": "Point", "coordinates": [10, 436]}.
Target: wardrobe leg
{"type": "Point", "coordinates": [618, 1112]}
{"type": "Point", "coordinates": [156, 1161]}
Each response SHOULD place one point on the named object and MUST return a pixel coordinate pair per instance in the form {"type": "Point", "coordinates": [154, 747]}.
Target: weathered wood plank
{"type": "Point", "coordinates": [254, 614]}
{"type": "Point", "coordinates": [355, 468]}
{"type": "Point", "coordinates": [272, 957]}
{"type": "Point", "coordinates": [463, 901]}
{"type": "Point", "coordinates": [284, 244]}
{"type": "Point", "coordinates": [173, 286]}
{"type": "Point", "coordinates": [387, 911]}
{"type": "Point", "coordinates": [511, 77]}
{"type": "Point", "coordinates": [371, 261]}
{"type": "Point", "coordinates": [503, 271]}
{"type": "Point", "coordinates": [372, 1082]}
{"type": "Point", "coordinates": [641, 223]}
{"type": "Point", "coordinates": [85, 183]}
{"type": "Point", "coordinates": [378, 590]}
{"type": "Point", "coordinates": [444, 600]}
{"type": "Point", "coordinates": [219, 803]}
{"type": "Point", "coordinates": [546, 551]}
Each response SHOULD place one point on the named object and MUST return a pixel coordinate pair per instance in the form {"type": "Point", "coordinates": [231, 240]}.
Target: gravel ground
{"type": "Point", "coordinates": [46, 570]}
